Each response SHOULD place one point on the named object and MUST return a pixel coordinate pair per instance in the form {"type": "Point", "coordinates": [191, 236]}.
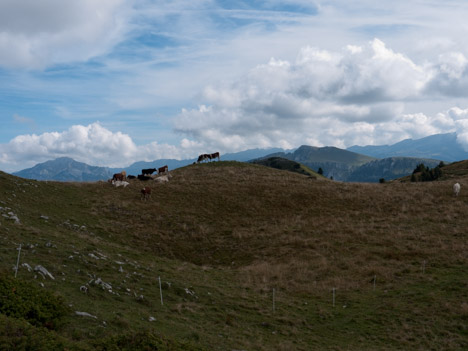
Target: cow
{"type": "Point", "coordinates": [145, 193]}
{"type": "Point", "coordinates": [162, 179]}
{"type": "Point", "coordinates": [215, 155]}
{"type": "Point", "coordinates": [456, 189]}
{"type": "Point", "coordinates": [163, 169]}
{"type": "Point", "coordinates": [148, 171]}
{"type": "Point", "coordinates": [203, 157]}
{"type": "Point", "coordinates": [118, 176]}
{"type": "Point", "coordinates": [143, 177]}
{"type": "Point", "coordinates": [131, 176]}
{"type": "Point", "coordinates": [118, 183]}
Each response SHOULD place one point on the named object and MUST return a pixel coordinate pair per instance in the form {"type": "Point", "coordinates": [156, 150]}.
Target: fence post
{"type": "Point", "coordinates": [17, 261]}
{"type": "Point", "coordinates": [160, 290]}
{"type": "Point", "coordinates": [273, 299]}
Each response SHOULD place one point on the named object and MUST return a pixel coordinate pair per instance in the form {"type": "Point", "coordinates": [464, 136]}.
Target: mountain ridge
{"type": "Point", "coordinates": [339, 164]}
{"type": "Point", "coordinates": [348, 166]}
{"type": "Point", "coordinates": [443, 147]}
{"type": "Point", "coordinates": [67, 169]}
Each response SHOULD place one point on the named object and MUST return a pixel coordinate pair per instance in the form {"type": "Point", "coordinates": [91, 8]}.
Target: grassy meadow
{"type": "Point", "coordinates": [246, 257]}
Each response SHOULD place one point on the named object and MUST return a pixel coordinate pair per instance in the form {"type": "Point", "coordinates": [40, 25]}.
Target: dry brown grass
{"type": "Point", "coordinates": [234, 231]}
{"type": "Point", "coordinates": [283, 229]}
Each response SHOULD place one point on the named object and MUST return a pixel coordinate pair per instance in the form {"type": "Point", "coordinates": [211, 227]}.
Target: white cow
{"type": "Point", "coordinates": [456, 189]}
{"type": "Point", "coordinates": [118, 183]}
{"type": "Point", "coordinates": [162, 179]}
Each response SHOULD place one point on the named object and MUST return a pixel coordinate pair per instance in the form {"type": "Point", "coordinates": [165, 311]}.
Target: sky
{"type": "Point", "coordinates": [112, 82]}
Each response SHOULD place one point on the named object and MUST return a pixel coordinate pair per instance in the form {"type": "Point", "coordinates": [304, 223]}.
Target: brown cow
{"type": "Point", "coordinates": [145, 193]}
{"type": "Point", "coordinates": [163, 169]}
{"type": "Point", "coordinates": [118, 176]}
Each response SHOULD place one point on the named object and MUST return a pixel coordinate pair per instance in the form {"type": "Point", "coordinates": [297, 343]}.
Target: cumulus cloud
{"type": "Point", "coordinates": [322, 96]}
{"type": "Point", "coordinates": [354, 96]}
{"type": "Point", "coordinates": [35, 34]}
{"type": "Point", "coordinates": [450, 75]}
{"type": "Point", "coordinates": [92, 144]}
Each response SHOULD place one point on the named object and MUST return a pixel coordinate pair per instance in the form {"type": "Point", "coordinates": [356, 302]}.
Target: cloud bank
{"type": "Point", "coordinates": [92, 144]}
{"type": "Point", "coordinates": [202, 69]}
{"type": "Point", "coordinates": [36, 34]}
{"type": "Point", "coordinates": [358, 95]}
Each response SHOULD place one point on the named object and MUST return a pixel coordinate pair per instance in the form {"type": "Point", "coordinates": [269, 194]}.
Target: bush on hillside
{"type": "Point", "coordinates": [424, 174]}
{"type": "Point", "coordinates": [20, 299]}
{"type": "Point", "coordinates": [143, 340]}
{"type": "Point", "coordinates": [17, 334]}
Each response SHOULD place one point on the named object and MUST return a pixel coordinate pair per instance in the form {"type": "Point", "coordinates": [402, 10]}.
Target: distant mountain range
{"type": "Point", "coordinates": [67, 169]}
{"type": "Point", "coordinates": [439, 146]}
{"type": "Point", "coordinates": [357, 163]}
{"type": "Point", "coordinates": [348, 166]}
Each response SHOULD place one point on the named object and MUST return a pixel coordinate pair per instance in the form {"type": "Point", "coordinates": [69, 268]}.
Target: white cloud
{"type": "Point", "coordinates": [453, 64]}
{"type": "Point", "coordinates": [36, 34]}
{"type": "Point", "coordinates": [323, 96]}
{"type": "Point", "coordinates": [92, 144]}
{"type": "Point", "coordinates": [371, 91]}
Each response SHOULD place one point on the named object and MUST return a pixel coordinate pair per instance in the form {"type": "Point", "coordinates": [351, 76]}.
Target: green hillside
{"type": "Point", "coordinates": [288, 165]}
{"type": "Point", "coordinates": [249, 258]}
{"type": "Point", "coordinates": [330, 154]}
{"type": "Point", "coordinates": [453, 171]}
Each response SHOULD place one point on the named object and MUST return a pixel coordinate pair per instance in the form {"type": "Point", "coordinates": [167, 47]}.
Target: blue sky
{"type": "Point", "coordinates": [111, 82]}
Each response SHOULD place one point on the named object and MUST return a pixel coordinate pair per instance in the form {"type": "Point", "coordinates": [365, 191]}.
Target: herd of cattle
{"type": "Point", "coordinates": [160, 175]}
{"type": "Point", "coordinates": [163, 176]}
{"type": "Point", "coordinates": [206, 157]}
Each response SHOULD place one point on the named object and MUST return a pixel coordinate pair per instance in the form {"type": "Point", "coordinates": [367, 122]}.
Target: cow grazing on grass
{"type": "Point", "coordinates": [456, 189]}
{"type": "Point", "coordinates": [215, 155]}
{"type": "Point", "coordinates": [118, 176]}
{"type": "Point", "coordinates": [145, 193]}
{"type": "Point", "coordinates": [203, 157]}
{"type": "Point", "coordinates": [148, 171]}
{"type": "Point", "coordinates": [163, 169]}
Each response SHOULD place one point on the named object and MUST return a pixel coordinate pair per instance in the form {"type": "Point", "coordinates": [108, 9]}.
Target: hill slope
{"type": "Point", "coordinates": [287, 165]}
{"type": "Point", "coordinates": [349, 166]}
{"type": "Point", "coordinates": [388, 169]}
{"type": "Point", "coordinates": [221, 236]}
{"type": "Point", "coordinates": [336, 163]}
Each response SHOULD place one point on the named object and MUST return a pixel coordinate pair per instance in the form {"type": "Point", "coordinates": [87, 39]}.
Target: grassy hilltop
{"type": "Point", "coordinates": [223, 237]}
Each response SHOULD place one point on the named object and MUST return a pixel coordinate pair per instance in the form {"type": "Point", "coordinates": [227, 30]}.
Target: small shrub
{"type": "Point", "coordinates": [20, 299]}
{"type": "Point", "coordinates": [17, 334]}
{"type": "Point", "coordinates": [144, 340]}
